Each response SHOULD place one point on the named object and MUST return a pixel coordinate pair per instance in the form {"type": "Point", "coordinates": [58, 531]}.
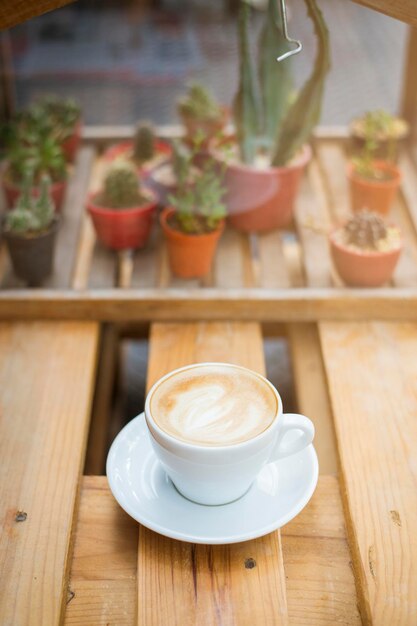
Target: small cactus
{"type": "Point", "coordinates": [31, 215]}
{"type": "Point", "coordinates": [144, 142]}
{"type": "Point", "coordinates": [365, 230]}
{"type": "Point", "coordinates": [121, 187]}
{"type": "Point", "coordinates": [199, 104]}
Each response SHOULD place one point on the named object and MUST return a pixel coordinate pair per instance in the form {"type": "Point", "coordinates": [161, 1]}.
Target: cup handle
{"type": "Point", "coordinates": [292, 421]}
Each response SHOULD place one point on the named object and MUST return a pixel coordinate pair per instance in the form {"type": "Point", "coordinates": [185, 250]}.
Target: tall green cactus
{"type": "Point", "coordinates": [304, 114]}
{"type": "Point", "coordinates": [285, 129]}
{"type": "Point", "coordinates": [246, 106]}
{"type": "Point", "coordinates": [275, 79]}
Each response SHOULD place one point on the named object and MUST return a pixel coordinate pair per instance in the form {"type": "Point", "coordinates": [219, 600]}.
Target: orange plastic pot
{"type": "Point", "coordinates": [360, 268]}
{"type": "Point", "coordinates": [12, 192]}
{"type": "Point", "coordinates": [375, 195]}
{"type": "Point", "coordinates": [260, 200]}
{"type": "Point", "coordinates": [190, 256]}
{"type": "Point", "coordinates": [123, 229]}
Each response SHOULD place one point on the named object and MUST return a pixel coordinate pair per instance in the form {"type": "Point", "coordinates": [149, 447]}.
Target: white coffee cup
{"type": "Point", "coordinates": [223, 473]}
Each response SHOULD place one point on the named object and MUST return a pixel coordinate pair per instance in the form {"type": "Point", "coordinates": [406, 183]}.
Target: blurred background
{"type": "Point", "coordinates": [125, 60]}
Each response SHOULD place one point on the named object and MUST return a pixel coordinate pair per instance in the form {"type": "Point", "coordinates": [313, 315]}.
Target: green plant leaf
{"type": "Point", "coordinates": [275, 78]}
{"type": "Point", "coordinates": [246, 106]}
{"type": "Point", "coordinates": [304, 114]}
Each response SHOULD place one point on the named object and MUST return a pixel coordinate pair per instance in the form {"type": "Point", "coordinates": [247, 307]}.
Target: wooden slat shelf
{"type": "Point", "coordinates": [287, 267]}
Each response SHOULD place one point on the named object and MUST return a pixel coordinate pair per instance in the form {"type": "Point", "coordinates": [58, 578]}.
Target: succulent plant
{"type": "Point", "coordinates": [199, 104]}
{"type": "Point", "coordinates": [121, 187]}
{"type": "Point", "coordinates": [144, 142]}
{"type": "Point", "coordinates": [365, 230]}
{"type": "Point", "coordinates": [31, 215]}
{"type": "Point", "coordinates": [60, 113]}
{"type": "Point", "coordinates": [265, 118]}
{"type": "Point", "coordinates": [198, 202]}
{"type": "Point", "coordinates": [41, 153]}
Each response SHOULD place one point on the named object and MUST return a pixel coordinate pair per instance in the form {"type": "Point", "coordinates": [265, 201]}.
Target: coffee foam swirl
{"type": "Point", "coordinates": [213, 405]}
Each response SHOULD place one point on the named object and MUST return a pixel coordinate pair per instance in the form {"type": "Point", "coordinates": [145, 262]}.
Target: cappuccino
{"type": "Point", "coordinates": [214, 405]}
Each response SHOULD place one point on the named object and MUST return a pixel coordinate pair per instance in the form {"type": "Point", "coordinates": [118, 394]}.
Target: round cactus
{"type": "Point", "coordinates": [121, 187]}
{"type": "Point", "coordinates": [144, 142]}
{"type": "Point", "coordinates": [365, 229]}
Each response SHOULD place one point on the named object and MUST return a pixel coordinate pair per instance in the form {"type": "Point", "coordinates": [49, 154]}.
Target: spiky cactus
{"type": "Point", "coordinates": [199, 104]}
{"type": "Point", "coordinates": [144, 142]}
{"type": "Point", "coordinates": [365, 230]}
{"type": "Point", "coordinates": [31, 215]}
{"type": "Point", "coordinates": [121, 187]}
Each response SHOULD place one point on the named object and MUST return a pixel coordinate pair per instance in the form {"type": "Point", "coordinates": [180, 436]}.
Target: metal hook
{"type": "Point", "coordinates": [299, 47]}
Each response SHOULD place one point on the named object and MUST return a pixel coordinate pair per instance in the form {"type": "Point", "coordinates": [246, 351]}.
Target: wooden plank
{"type": "Point", "coordinates": [408, 105]}
{"type": "Point", "coordinates": [101, 412]}
{"type": "Point", "coordinates": [409, 187]}
{"type": "Point", "coordinates": [273, 271]}
{"type": "Point", "coordinates": [13, 13]}
{"type": "Point", "coordinates": [374, 407]}
{"type": "Point", "coordinates": [283, 305]}
{"type": "Point", "coordinates": [125, 262]}
{"type": "Point", "coordinates": [312, 220]}
{"type": "Point", "coordinates": [87, 239]}
{"type": "Point", "coordinates": [311, 389]}
{"type": "Point", "coordinates": [320, 584]}
{"type": "Point", "coordinates": [332, 160]}
{"type": "Point", "coordinates": [180, 583]}
{"type": "Point", "coordinates": [229, 268]}
{"type": "Point", "coordinates": [104, 564]}
{"type": "Point", "coordinates": [145, 265]}
{"type": "Point", "coordinates": [46, 382]}
{"type": "Point", "coordinates": [405, 274]}
{"type": "Point", "coordinates": [404, 10]}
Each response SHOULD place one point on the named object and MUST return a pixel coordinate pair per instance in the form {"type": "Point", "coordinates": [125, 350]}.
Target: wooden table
{"type": "Point", "coordinates": [76, 558]}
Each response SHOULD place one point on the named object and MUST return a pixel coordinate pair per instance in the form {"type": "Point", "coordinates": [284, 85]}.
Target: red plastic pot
{"type": "Point", "coordinates": [363, 268]}
{"type": "Point", "coordinates": [190, 256]}
{"type": "Point", "coordinates": [121, 229]}
{"type": "Point", "coordinates": [70, 146]}
{"type": "Point", "coordinates": [260, 200]}
{"type": "Point", "coordinates": [12, 192]}
{"type": "Point", "coordinates": [375, 195]}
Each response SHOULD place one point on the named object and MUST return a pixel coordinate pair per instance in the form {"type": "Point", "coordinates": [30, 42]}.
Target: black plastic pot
{"type": "Point", "coordinates": [32, 257]}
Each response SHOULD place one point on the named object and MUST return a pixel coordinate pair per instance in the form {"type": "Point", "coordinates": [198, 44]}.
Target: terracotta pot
{"type": "Point", "coordinates": [32, 257]}
{"type": "Point", "coordinates": [121, 229]}
{"type": "Point", "coordinates": [70, 146]}
{"type": "Point", "coordinates": [260, 200]}
{"type": "Point", "coordinates": [163, 151]}
{"type": "Point", "coordinates": [375, 195]}
{"type": "Point", "coordinates": [190, 256]}
{"type": "Point", "coordinates": [12, 192]}
{"type": "Point", "coordinates": [360, 268]}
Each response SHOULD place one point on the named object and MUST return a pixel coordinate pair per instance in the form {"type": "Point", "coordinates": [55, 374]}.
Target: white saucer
{"type": "Point", "coordinates": [144, 491]}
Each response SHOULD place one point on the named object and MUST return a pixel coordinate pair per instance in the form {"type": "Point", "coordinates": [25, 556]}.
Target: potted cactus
{"type": "Point", "coordinates": [374, 182]}
{"type": "Point", "coordinates": [145, 151]}
{"type": "Point", "coordinates": [30, 147]}
{"type": "Point", "coordinates": [201, 115]}
{"type": "Point", "coordinates": [365, 250]}
{"type": "Point", "coordinates": [122, 212]}
{"type": "Point", "coordinates": [63, 116]}
{"type": "Point", "coordinates": [29, 230]}
{"type": "Point", "coordinates": [194, 221]}
{"type": "Point", "coordinates": [273, 125]}
{"type": "Point", "coordinates": [389, 133]}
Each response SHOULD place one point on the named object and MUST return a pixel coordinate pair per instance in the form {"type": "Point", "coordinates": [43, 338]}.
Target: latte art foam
{"type": "Point", "coordinates": [213, 405]}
